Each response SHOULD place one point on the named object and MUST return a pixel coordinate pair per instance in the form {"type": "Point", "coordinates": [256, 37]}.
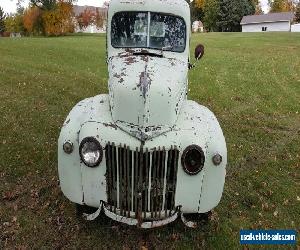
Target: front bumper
{"type": "Point", "coordinates": [138, 222]}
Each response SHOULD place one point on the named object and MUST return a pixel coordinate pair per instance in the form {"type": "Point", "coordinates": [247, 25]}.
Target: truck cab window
{"type": "Point", "coordinates": [129, 29]}
{"type": "Point", "coordinates": [133, 30]}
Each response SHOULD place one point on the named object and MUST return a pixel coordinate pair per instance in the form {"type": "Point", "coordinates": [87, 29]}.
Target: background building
{"type": "Point", "coordinates": [268, 22]}
{"type": "Point", "coordinates": [197, 26]}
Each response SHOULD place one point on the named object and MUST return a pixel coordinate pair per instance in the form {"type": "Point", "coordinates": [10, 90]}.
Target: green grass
{"type": "Point", "coordinates": [250, 81]}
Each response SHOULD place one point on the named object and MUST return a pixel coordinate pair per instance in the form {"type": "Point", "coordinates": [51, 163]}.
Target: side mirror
{"type": "Point", "coordinates": [199, 53]}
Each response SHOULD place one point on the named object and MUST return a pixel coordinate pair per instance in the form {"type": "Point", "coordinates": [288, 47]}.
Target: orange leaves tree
{"type": "Point", "coordinates": [86, 18]}
{"type": "Point", "coordinates": [282, 5]}
{"type": "Point", "coordinates": [32, 20]}
{"type": "Point", "coordinates": [49, 17]}
{"type": "Point", "coordinates": [59, 21]}
{"type": "Point", "coordinates": [200, 4]}
{"type": "Point", "coordinates": [91, 17]}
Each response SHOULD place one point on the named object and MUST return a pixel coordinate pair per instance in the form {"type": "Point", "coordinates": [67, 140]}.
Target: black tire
{"type": "Point", "coordinates": [199, 218]}
{"type": "Point", "coordinates": [84, 209]}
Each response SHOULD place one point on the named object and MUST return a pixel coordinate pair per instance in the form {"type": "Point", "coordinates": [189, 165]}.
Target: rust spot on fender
{"type": "Point", "coordinates": [130, 60]}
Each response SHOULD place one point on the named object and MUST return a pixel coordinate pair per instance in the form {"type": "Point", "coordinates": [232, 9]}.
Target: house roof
{"type": "Point", "coordinates": [268, 18]}
{"type": "Point", "coordinates": [80, 9]}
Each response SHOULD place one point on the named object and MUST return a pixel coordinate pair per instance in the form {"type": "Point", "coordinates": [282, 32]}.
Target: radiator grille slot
{"type": "Point", "coordinates": [140, 183]}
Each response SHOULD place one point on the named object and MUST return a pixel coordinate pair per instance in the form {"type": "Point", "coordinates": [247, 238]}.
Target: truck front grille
{"type": "Point", "coordinates": [141, 184]}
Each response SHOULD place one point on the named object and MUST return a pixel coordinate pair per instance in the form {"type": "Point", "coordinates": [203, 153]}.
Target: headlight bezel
{"type": "Point", "coordinates": [184, 159]}
{"type": "Point", "coordinates": [99, 148]}
{"type": "Point", "coordinates": [68, 147]}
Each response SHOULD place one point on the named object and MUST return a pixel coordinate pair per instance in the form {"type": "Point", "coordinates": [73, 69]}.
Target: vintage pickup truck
{"type": "Point", "coordinates": [143, 154]}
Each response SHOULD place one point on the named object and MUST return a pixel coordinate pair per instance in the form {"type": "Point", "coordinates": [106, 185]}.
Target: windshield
{"type": "Point", "coordinates": [148, 30]}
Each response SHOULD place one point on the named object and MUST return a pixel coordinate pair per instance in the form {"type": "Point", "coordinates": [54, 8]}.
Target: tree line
{"type": "Point", "coordinates": [48, 17]}
{"type": "Point", "coordinates": [226, 15]}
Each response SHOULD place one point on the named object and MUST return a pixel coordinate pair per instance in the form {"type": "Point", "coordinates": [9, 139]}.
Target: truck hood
{"type": "Point", "coordinates": [146, 93]}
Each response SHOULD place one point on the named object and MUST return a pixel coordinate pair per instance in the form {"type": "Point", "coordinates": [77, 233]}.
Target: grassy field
{"type": "Point", "coordinates": [250, 81]}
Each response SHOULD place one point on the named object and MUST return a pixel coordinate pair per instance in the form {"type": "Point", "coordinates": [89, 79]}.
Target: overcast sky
{"type": "Point", "coordinates": [9, 6]}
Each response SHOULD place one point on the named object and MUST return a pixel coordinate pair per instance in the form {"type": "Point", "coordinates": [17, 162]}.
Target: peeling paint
{"type": "Point", "coordinates": [112, 125]}
{"type": "Point", "coordinates": [143, 74]}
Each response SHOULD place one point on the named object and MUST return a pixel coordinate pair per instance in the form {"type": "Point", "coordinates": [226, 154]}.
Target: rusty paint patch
{"type": "Point", "coordinates": [111, 125]}
{"type": "Point", "coordinates": [130, 60]}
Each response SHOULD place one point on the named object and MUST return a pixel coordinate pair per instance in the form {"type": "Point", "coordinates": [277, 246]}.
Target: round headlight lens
{"type": "Point", "coordinates": [91, 152]}
{"type": "Point", "coordinates": [193, 159]}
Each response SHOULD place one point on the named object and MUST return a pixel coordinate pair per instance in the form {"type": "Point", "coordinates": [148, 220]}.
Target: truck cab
{"type": "Point", "coordinates": [143, 153]}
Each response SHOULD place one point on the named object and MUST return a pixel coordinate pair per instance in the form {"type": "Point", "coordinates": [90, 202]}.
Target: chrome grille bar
{"type": "Point", "coordinates": [141, 183]}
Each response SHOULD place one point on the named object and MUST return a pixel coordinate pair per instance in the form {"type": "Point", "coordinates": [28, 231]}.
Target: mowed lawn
{"type": "Point", "coordinates": [250, 81]}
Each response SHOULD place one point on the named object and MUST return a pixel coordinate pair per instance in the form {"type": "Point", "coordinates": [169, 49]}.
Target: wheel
{"type": "Point", "coordinates": [84, 209]}
{"type": "Point", "coordinates": [199, 218]}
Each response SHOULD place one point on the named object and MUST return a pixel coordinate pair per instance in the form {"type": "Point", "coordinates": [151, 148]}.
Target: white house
{"type": "Point", "coordinates": [295, 27]}
{"type": "Point", "coordinates": [268, 22]}
{"type": "Point", "coordinates": [197, 26]}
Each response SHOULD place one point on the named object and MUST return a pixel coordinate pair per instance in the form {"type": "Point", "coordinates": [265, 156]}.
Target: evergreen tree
{"type": "Point", "coordinates": [297, 14]}
{"type": "Point", "coordinates": [231, 13]}
{"type": "Point", "coordinates": [196, 12]}
{"type": "Point", "coordinates": [224, 15]}
{"type": "Point", "coordinates": [2, 23]}
{"type": "Point", "coordinates": [211, 9]}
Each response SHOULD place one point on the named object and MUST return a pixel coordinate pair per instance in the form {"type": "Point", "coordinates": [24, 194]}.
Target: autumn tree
{"type": "Point", "coordinates": [200, 4]}
{"type": "Point", "coordinates": [14, 23]}
{"type": "Point", "coordinates": [282, 5]}
{"type": "Point", "coordinates": [49, 17]}
{"type": "Point", "coordinates": [32, 20]}
{"type": "Point", "coordinates": [2, 18]}
{"type": "Point", "coordinates": [85, 18]}
{"type": "Point", "coordinates": [290, 5]}
{"type": "Point", "coordinates": [59, 21]}
{"type": "Point", "coordinates": [258, 9]}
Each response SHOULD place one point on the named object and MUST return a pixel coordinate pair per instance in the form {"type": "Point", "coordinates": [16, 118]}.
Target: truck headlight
{"type": "Point", "coordinates": [91, 152]}
{"type": "Point", "coordinates": [193, 159]}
